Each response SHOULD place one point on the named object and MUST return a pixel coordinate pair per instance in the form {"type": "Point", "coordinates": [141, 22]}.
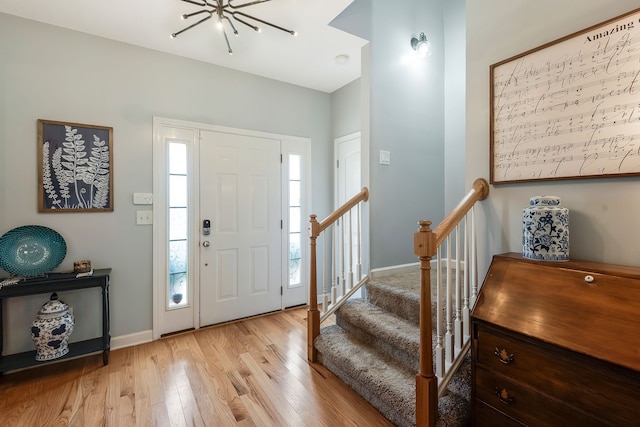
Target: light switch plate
{"type": "Point", "coordinates": [144, 217]}
{"type": "Point", "coordinates": [385, 158]}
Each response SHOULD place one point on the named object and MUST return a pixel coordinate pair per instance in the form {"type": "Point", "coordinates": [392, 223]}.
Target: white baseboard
{"type": "Point", "coordinates": [395, 269]}
{"type": "Point", "coordinates": [405, 268]}
{"type": "Point", "coordinates": [131, 339]}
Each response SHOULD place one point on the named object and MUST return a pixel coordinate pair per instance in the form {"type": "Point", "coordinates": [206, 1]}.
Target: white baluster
{"type": "Point", "coordinates": [349, 284]}
{"type": "Point", "coordinates": [439, 351]}
{"type": "Point", "coordinates": [358, 247]}
{"type": "Point", "coordinates": [325, 282]}
{"type": "Point", "coordinates": [458, 313]}
{"type": "Point", "coordinates": [466, 311]}
{"type": "Point", "coordinates": [448, 342]}
{"type": "Point", "coordinates": [344, 261]}
{"type": "Point", "coordinates": [334, 277]}
{"type": "Point", "coordinates": [474, 256]}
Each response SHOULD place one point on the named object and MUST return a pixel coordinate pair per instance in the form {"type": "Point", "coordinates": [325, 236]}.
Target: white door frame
{"type": "Point", "coordinates": [339, 171]}
{"type": "Point", "coordinates": [291, 294]}
{"type": "Point", "coordinates": [162, 127]}
{"type": "Point", "coordinates": [160, 237]}
{"type": "Point", "coordinates": [336, 180]}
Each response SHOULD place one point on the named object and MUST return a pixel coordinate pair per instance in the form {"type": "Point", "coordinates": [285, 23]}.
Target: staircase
{"type": "Point", "coordinates": [405, 357]}
{"type": "Point", "coordinates": [374, 348]}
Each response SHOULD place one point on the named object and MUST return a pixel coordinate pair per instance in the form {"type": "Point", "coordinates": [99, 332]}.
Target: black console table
{"type": "Point", "coordinates": [59, 282]}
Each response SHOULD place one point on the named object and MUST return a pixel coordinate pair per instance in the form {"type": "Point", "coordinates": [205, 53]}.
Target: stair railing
{"type": "Point", "coordinates": [454, 298]}
{"type": "Point", "coordinates": [343, 228]}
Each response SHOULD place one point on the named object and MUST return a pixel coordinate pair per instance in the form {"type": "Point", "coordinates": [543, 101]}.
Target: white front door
{"type": "Point", "coordinates": [257, 203]}
{"type": "Point", "coordinates": [240, 196]}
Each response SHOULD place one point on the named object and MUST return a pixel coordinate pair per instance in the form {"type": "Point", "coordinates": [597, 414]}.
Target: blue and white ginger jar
{"type": "Point", "coordinates": [545, 230]}
{"type": "Point", "coordinates": [50, 331]}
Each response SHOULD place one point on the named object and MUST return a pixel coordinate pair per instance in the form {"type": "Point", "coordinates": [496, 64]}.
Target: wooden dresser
{"type": "Point", "coordinates": [556, 343]}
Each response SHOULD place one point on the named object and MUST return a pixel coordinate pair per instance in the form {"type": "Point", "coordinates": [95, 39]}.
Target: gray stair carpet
{"type": "Point", "coordinates": [373, 348]}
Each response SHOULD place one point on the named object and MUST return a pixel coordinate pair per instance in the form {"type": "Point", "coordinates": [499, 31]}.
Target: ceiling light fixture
{"type": "Point", "coordinates": [421, 45]}
{"type": "Point", "coordinates": [223, 11]}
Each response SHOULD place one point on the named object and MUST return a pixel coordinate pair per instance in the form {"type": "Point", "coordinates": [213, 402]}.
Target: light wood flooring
{"type": "Point", "coordinates": [248, 373]}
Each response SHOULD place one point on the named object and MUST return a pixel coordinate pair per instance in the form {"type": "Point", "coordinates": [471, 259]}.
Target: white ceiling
{"type": "Point", "coordinates": [307, 59]}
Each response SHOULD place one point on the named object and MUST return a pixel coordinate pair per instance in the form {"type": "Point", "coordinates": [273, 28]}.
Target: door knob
{"type": "Point", "coordinates": [206, 244]}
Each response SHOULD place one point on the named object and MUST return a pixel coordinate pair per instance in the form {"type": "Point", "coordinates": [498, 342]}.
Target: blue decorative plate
{"type": "Point", "coordinates": [31, 250]}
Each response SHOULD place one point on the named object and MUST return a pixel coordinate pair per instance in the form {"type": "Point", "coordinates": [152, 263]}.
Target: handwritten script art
{"type": "Point", "coordinates": [571, 109]}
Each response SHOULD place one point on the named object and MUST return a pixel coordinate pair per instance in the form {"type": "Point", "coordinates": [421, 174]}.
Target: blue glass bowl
{"type": "Point", "coordinates": [31, 250]}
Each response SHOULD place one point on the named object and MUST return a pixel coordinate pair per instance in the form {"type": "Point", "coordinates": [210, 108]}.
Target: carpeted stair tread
{"type": "Point", "coordinates": [403, 302]}
{"type": "Point", "coordinates": [374, 349]}
{"type": "Point", "coordinates": [461, 381]}
{"type": "Point", "coordinates": [386, 332]}
{"type": "Point", "coordinates": [388, 386]}
{"type": "Point", "coordinates": [454, 410]}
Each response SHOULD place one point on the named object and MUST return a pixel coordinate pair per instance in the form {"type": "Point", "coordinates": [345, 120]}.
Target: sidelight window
{"type": "Point", "coordinates": [176, 293]}
{"type": "Point", "coordinates": [295, 221]}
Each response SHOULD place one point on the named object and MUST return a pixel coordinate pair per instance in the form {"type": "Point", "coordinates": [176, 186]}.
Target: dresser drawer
{"type": "Point", "coordinates": [524, 404]}
{"type": "Point", "coordinates": [487, 416]}
{"type": "Point", "coordinates": [599, 389]}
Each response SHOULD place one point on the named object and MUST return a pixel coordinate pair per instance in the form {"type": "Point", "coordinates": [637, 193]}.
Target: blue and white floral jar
{"type": "Point", "coordinates": [545, 229]}
{"type": "Point", "coordinates": [50, 331]}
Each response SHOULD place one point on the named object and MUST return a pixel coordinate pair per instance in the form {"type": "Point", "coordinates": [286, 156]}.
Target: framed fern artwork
{"type": "Point", "coordinates": [75, 167]}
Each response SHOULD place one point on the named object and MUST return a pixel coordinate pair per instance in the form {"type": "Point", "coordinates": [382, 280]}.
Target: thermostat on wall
{"type": "Point", "coordinates": [142, 198]}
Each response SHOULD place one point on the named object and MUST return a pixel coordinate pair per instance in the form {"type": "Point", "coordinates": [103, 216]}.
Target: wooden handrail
{"type": "Point", "coordinates": [479, 191]}
{"type": "Point", "coordinates": [315, 228]}
{"type": "Point", "coordinates": [425, 246]}
{"type": "Point", "coordinates": [362, 196]}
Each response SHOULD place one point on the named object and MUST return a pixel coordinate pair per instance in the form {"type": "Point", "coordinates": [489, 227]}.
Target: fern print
{"type": "Point", "coordinates": [74, 161]}
{"type": "Point", "coordinates": [76, 172]}
{"type": "Point", "coordinates": [47, 183]}
{"type": "Point", "coordinates": [97, 173]}
{"type": "Point", "coordinates": [64, 177]}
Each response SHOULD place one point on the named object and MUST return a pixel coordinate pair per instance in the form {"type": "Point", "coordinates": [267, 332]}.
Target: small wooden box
{"type": "Point", "coordinates": [83, 266]}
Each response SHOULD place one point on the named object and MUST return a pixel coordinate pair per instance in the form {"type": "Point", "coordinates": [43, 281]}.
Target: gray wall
{"type": "Point", "coordinates": [346, 110]}
{"type": "Point", "coordinates": [407, 119]}
{"type": "Point", "coordinates": [55, 74]}
{"type": "Point", "coordinates": [603, 212]}
{"type": "Point", "coordinates": [454, 103]}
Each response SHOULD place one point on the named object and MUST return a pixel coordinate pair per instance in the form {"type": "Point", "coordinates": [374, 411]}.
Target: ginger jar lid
{"type": "Point", "coordinates": [53, 308]}
{"type": "Point", "coordinates": [544, 201]}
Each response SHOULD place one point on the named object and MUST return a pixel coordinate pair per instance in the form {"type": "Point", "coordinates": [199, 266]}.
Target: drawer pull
{"type": "Point", "coordinates": [504, 396]}
{"type": "Point", "coordinates": [503, 356]}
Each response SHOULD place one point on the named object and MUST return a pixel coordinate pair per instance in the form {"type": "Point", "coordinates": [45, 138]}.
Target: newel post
{"type": "Point", "coordinates": [313, 315]}
{"type": "Point", "coordinates": [426, 381]}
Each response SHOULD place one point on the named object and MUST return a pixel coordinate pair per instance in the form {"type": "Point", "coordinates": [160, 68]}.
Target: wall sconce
{"type": "Point", "coordinates": [421, 45]}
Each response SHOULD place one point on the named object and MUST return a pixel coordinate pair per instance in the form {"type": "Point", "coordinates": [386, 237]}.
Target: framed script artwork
{"type": "Point", "coordinates": [570, 108]}
{"type": "Point", "coordinates": [75, 167]}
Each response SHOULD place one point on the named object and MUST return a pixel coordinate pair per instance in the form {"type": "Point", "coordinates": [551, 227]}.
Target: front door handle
{"type": "Point", "coordinates": [206, 244]}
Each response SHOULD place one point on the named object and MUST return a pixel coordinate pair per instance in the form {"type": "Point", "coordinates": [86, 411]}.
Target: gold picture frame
{"type": "Point", "coordinates": [75, 167]}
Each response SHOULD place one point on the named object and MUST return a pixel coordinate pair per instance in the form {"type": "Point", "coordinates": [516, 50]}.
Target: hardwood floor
{"type": "Point", "coordinates": [249, 373]}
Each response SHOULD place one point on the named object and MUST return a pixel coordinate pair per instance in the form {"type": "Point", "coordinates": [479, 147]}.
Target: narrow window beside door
{"type": "Point", "coordinates": [176, 293]}
{"type": "Point", "coordinates": [295, 253]}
